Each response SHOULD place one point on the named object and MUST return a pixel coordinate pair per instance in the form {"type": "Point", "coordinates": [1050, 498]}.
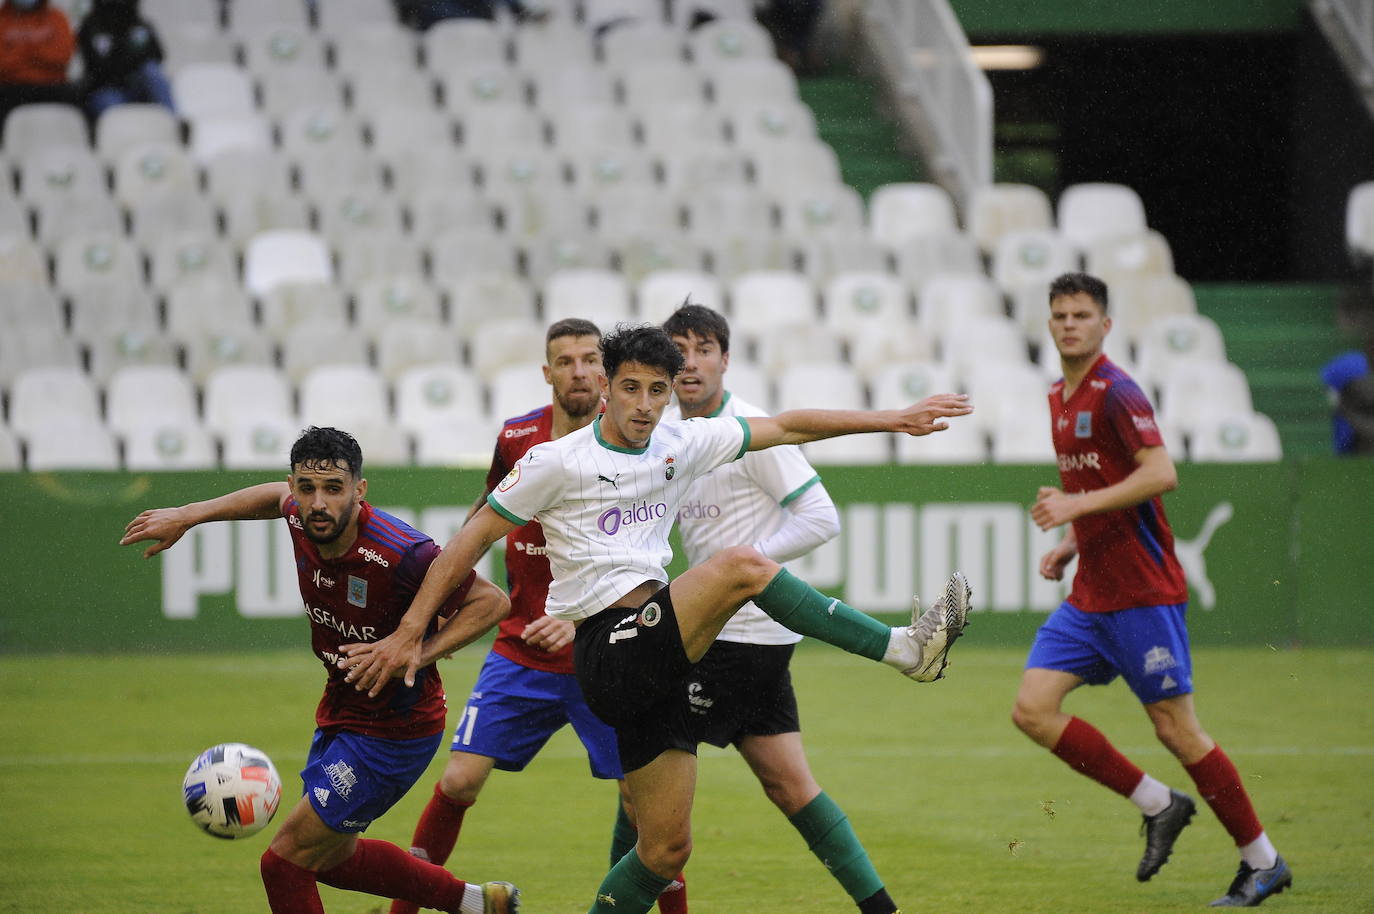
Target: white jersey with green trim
{"type": "Point", "coordinates": [607, 511]}
{"type": "Point", "coordinates": [740, 504]}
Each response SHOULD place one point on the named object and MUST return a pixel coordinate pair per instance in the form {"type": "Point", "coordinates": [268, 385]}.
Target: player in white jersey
{"type": "Point", "coordinates": [606, 497]}
{"type": "Point", "coordinates": [741, 691]}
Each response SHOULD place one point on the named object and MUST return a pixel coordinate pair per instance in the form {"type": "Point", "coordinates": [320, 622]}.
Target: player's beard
{"type": "Point", "coordinates": [334, 532]}
{"type": "Point", "coordinates": [577, 404]}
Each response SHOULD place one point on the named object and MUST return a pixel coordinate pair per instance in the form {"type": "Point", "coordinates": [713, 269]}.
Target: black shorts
{"type": "Point", "coordinates": [739, 690]}
{"type": "Point", "coordinates": [632, 668]}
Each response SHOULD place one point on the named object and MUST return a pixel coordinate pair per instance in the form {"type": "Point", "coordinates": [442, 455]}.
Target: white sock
{"type": "Point", "coordinates": [901, 651]}
{"type": "Point", "coordinates": [1151, 796]}
{"type": "Point", "coordinates": [1260, 852]}
{"type": "Point", "coordinates": [472, 899]}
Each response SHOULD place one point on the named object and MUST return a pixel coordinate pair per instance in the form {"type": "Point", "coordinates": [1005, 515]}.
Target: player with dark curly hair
{"type": "Point", "coordinates": [607, 496]}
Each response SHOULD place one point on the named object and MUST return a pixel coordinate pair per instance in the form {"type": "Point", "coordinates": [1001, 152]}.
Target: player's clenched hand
{"type": "Point", "coordinates": [165, 525]}
{"type": "Point", "coordinates": [926, 417]}
{"type": "Point", "coordinates": [371, 666]}
{"type": "Point", "coordinates": [549, 634]}
{"type": "Point", "coordinates": [1053, 507]}
{"type": "Point", "coordinates": [1053, 563]}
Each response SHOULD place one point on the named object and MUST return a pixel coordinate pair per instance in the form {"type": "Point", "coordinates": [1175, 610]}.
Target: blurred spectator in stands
{"type": "Point", "coordinates": [1351, 382]}
{"type": "Point", "coordinates": [421, 14]}
{"type": "Point", "coordinates": [36, 46]}
{"type": "Point", "coordinates": [121, 57]}
{"type": "Point", "coordinates": [793, 25]}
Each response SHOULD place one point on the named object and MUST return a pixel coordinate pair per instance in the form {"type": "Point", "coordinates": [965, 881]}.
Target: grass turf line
{"type": "Point", "coordinates": [959, 812]}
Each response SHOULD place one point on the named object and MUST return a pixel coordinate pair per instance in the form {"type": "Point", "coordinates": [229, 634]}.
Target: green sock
{"type": "Point", "coordinates": [624, 835]}
{"type": "Point", "coordinates": [831, 838]}
{"type": "Point", "coordinates": [799, 606]}
{"type": "Point", "coordinates": [629, 888]}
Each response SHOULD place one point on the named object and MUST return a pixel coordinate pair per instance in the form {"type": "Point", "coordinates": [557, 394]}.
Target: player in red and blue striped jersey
{"type": "Point", "coordinates": [1125, 615]}
{"type": "Point", "coordinates": [358, 569]}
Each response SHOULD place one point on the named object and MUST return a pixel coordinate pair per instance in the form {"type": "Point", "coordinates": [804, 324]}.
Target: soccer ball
{"type": "Point", "coordinates": [231, 790]}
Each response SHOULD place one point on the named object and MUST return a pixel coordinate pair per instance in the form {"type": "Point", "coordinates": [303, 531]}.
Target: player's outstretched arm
{"type": "Point", "coordinates": [376, 663]}
{"type": "Point", "coordinates": [167, 525]}
{"type": "Point", "coordinates": [798, 426]}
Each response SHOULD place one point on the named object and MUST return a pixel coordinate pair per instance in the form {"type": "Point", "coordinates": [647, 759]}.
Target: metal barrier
{"type": "Point", "coordinates": [941, 97]}
{"type": "Point", "coordinates": [1349, 26]}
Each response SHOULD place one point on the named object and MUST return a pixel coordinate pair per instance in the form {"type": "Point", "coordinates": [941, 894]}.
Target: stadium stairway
{"type": "Point", "coordinates": [1281, 335]}
{"type": "Point", "coordinates": [848, 118]}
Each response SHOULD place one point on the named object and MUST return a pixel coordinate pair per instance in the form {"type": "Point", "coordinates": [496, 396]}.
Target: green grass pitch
{"type": "Point", "coordinates": [959, 812]}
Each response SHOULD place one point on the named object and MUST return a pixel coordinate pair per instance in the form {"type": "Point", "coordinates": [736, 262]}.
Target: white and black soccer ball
{"type": "Point", "coordinates": [232, 790]}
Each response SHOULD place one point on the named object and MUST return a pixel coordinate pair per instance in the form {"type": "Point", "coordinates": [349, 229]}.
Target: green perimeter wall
{"type": "Point", "coordinates": [1073, 17]}
{"type": "Point", "coordinates": [1277, 554]}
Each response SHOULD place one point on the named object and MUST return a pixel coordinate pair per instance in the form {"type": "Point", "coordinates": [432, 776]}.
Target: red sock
{"type": "Point", "coordinates": [673, 900]}
{"type": "Point", "coordinates": [290, 889]}
{"type": "Point", "coordinates": [382, 868]}
{"type": "Point", "coordinates": [435, 834]}
{"type": "Point", "coordinates": [1219, 783]}
{"type": "Point", "coordinates": [439, 825]}
{"type": "Point", "coordinates": [1088, 752]}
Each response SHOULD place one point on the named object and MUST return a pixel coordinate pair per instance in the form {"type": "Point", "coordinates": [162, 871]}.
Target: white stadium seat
{"type": "Point", "coordinates": [343, 396]}
{"type": "Point", "coordinates": [1195, 392]}
{"type": "Point", "coordinates": [662, 291]}
{"type": "Point", "coordinates": [997, 209]}
{"type": "Point", "coordinates": [239, 394]}
{"type": "Point", "coordinates": [283, 255]}
{"type": "Point", "coordinates": [1359, 221]}
{"type": "Point", "coordinates": [169, 445]}
{"type": "Point", "coordinates": [1237, 438]}
{"type": "Point", "coordinates": [429, 395]}
{"type": "Point", "coordinates": [259, 442]}
{"type": "Point", "coordinates": [1092, 212]}
{"type": "Point", "coordinates": [899, 212]}
{"type": "Point", "coordinates": [406, 343]}
{"type": "Point", "coordinates": [40, 394]}
{"type": "Point", "coordinates": [71, 443]}
{"type": "Point", "coordinates": [138, 396]}
{"type": "Point", "coordinates": [762, 300]}
{"type": "Point", "coordinates": [518, 388]}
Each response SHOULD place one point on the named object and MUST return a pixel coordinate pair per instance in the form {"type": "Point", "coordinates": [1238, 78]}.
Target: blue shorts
{"type": "Point", "coordinates": [513, 710]}
{"type": "Point", "coordinates": [1147, 646]}
{"type": "Point", "coordinates": [352, 779]}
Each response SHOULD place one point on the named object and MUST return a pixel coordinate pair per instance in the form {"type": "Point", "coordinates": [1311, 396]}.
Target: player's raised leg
{"type": "Point", "coordinates": [705, 596]}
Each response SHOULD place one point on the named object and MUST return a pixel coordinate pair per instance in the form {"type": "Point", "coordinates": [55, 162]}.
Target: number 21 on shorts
{"type": "Point", "coordinates": [465, 724]}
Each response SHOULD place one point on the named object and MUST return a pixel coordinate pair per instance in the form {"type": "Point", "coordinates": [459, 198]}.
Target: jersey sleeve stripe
{"type": "Point", "coordinates": [397, 528]}
{"type": "Point", "coordinates": [514, 519]}
{"type": "Point", "coordinates": [532, 414]}
{"type": "Point", "coordinates": [378, 537]}
{"type": "Point", "coordinates": [800, 489]}
{"type": "Point", "coordinates": [748, 435]}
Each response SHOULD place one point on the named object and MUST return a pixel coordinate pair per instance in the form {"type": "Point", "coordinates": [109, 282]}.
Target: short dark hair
{"type": "Point", "coordinates": [700, 321]}
{"type": "Point", "coordinates": [570, 326]}
{"type": "Point", "coordinates": [327, 447]}
{"type": "Point", "coordinates": [1074, 283]}
{"type": "Point", "coordinates": [642, 343]}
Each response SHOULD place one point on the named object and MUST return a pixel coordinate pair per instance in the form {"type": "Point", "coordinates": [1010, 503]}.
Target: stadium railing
{"type": "Point", "coordinates": [1349, 26]}
{"type": "Point", "coordinates": [942, 98]}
